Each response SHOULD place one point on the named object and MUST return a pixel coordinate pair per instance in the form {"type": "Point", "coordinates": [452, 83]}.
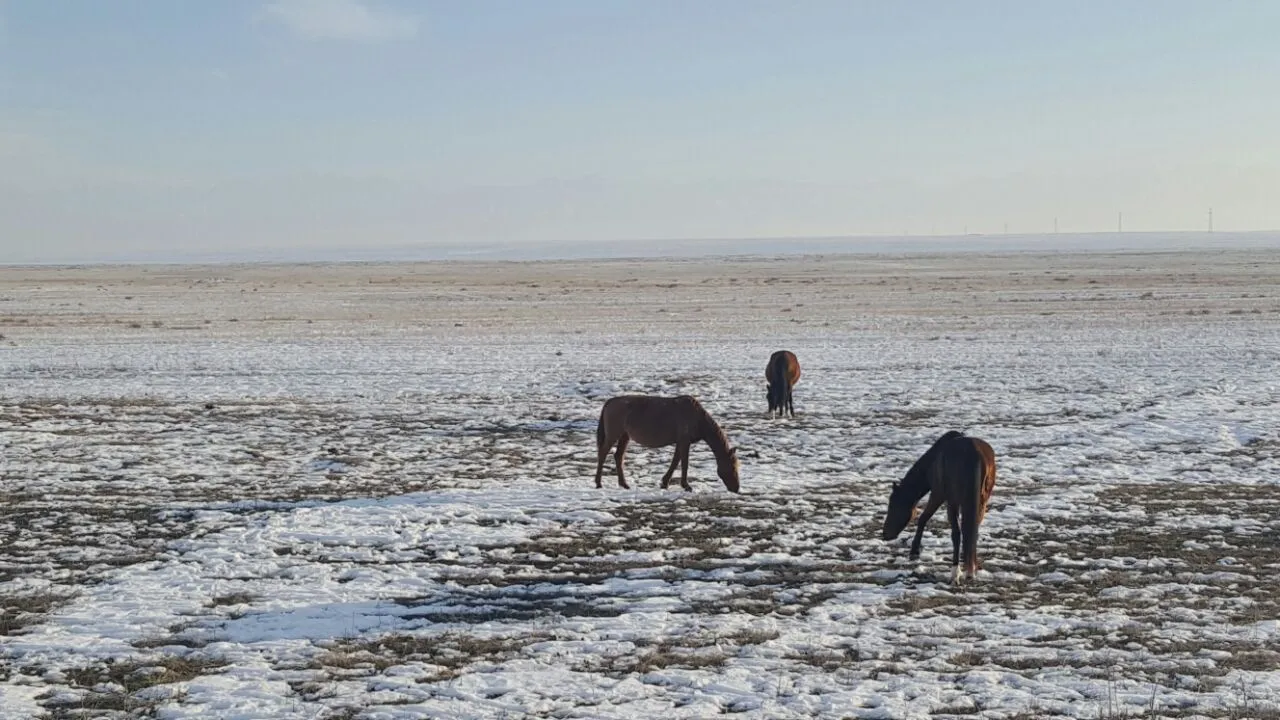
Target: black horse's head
{"type": "Point", "coordinates": [902, 510]}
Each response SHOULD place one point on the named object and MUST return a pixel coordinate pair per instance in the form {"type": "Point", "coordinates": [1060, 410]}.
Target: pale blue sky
{"type": "Point", "coordinates": [135, 126]}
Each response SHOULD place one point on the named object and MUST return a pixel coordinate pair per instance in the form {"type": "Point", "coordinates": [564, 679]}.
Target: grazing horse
{"type": "Point", "coordinates": [658, 422]}
{"type": "Point", "coordinates": [960, 471]}
{"type": "Point", "coordinates": [782, 373]}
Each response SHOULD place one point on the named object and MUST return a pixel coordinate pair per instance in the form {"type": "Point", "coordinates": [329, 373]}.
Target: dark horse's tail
{"type": "Point", "coordinates": [971, 510]}
{"type": "Point", "coordinates": [777, 379]}
{"type": "Point", "coordinates": [600, 432]}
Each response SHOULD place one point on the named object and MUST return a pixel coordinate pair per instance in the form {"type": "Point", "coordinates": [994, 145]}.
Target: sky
{"type": "Point", "coordinates": [152, 126]}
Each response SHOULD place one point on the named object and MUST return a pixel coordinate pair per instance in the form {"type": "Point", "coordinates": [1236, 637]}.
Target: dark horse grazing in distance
{"type": "Point", "coordinates": [658, 422]}
{"type": "Point", "coordinates": [782, 373]}
{"type": "Point", "coordinates": [960, 471]}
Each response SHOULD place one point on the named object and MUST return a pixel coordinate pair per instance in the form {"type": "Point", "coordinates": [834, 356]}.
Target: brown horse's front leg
{"type": "Point", "coordinates": [617, 459]}
{"type": "Point", "coordinates": [675, 458]}
{"type": "Point", "coordinates": [683, 452]}
{"type": "Point", "coordinates": [929, 509]}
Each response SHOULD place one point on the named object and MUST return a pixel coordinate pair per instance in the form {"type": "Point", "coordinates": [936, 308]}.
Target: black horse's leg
{"type": "Point", "coordinates": [675, 458]}
{"type": "Point", "coordinates": [617, 459]}
{"type": "Point", "coordinates": [684, 466]}
{"type": "Point", "coordinates": [929, 509]}
{"type": "Point", "coordinates": [791, 407]}
{"type": "Point", "coordinates": [953, 517]}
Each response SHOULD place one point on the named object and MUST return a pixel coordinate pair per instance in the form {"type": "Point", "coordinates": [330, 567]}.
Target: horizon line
{"type": "Point", "coordinates": [508, 251]}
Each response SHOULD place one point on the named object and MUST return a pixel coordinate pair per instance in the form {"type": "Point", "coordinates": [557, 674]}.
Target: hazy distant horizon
{"type": "Point", "coordinates": [694, 248]}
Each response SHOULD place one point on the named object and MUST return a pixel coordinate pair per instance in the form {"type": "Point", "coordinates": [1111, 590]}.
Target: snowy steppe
{"type": "Point", "coordinates": [365, 490]}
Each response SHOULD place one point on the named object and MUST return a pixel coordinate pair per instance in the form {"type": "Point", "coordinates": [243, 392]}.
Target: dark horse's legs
{"type": "Point", "coordinates": [791, 408]}
{"type": "Point", "coordinates": [617, 459]}
{"type": "Point", "coordinates": [972, 513]}
{"type": "Point", "coordinates": [684, 466]}
{"type": "Point", "coordinates": [681, 456]}
{"type": "Point", "coordinates": [675, 459]}
{"type": "Point", "coordinates": [602, 452]}
{"type": "Point", "coordinates": [953, 517]}
{"type": "Point", "coordinates": [929, 509]}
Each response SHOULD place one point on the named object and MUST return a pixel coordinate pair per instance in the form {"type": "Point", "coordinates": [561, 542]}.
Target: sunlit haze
{"type": "Point", "coordinates": [156, 128]}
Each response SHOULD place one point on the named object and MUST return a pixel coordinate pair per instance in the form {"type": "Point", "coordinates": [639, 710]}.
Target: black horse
{"type": "Point", "coordinates": [960, 471]}
{"type": "Point", "coordinates": [782, 373]}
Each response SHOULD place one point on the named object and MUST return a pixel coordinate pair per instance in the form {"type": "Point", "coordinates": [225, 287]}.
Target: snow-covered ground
{"type": "Point", "coordinates": [366, 490]}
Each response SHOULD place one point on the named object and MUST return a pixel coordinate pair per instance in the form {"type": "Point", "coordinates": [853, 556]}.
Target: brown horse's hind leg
{"type": "Point", "coordinates": [675, 458]}
{"type": "Point", "coordinates": [602, 452]}
{"type": "Point", "coordinates": [684, 466]}
{"type": "Point", "coordinates": [617, 459]}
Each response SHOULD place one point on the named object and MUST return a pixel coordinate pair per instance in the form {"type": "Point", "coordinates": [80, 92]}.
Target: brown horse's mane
{"type": "Point", "coordinates": [713, 435]}
{"type": "Point", "coordinates": [915, 484]}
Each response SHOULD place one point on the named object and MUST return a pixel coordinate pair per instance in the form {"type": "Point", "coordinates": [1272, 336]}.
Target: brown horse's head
{"type": "Point", "coordinates": [727, 469]}
{"type": "Point", "coordinates": [902, 510]}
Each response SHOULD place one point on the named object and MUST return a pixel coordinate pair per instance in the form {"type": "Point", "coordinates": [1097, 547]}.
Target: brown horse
{"type": "Point", "coordinates": [658, 422]}
{"type": "Point", "coordinates": [782, 373]}
{"type": "Point", "coordinates": [957, 470]}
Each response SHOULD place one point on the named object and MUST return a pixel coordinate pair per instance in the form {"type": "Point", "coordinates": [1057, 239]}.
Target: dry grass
{"type": "Point", "coordinates": [22, 610]}
{"type": "Point", "coordinates": [111, 687]}
{"type": "Point", "coordinates": [135, 675]}
{"type": "Point", "coordinates": [452, 653]}
{"type": "Point", "coordinates": [238, 598]}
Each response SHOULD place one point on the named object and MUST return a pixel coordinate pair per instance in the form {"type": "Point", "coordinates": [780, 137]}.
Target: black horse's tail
{"type": "Point", "coordinates": [971, 513]}
{"type": "Point", "coordinates": [600, 432]}
{"type": "Point", "coordinates": [776, 377]}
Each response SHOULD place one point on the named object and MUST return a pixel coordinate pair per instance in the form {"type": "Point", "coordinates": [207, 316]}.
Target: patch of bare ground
{"type": "Point", "coordinates": [112, 689]}
{"type": "Point", "coordinates": [559, 573]}
{"type": "Point", "coordinates": [699, 649]}
{"type": "Point", "coordinates": [82, 516]}
{"type": "Point", "coordinates": [20, 610]}
{"type": "Point", "coordinates": [447, 655]}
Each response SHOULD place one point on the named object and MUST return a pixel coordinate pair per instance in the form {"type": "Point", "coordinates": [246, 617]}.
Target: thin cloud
{"type": "Point", "coordinates": [349, 20]}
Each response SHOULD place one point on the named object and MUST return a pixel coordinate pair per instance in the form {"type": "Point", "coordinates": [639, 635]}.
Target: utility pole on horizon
{"type": "Point", "coordinates": [1210, 219]}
